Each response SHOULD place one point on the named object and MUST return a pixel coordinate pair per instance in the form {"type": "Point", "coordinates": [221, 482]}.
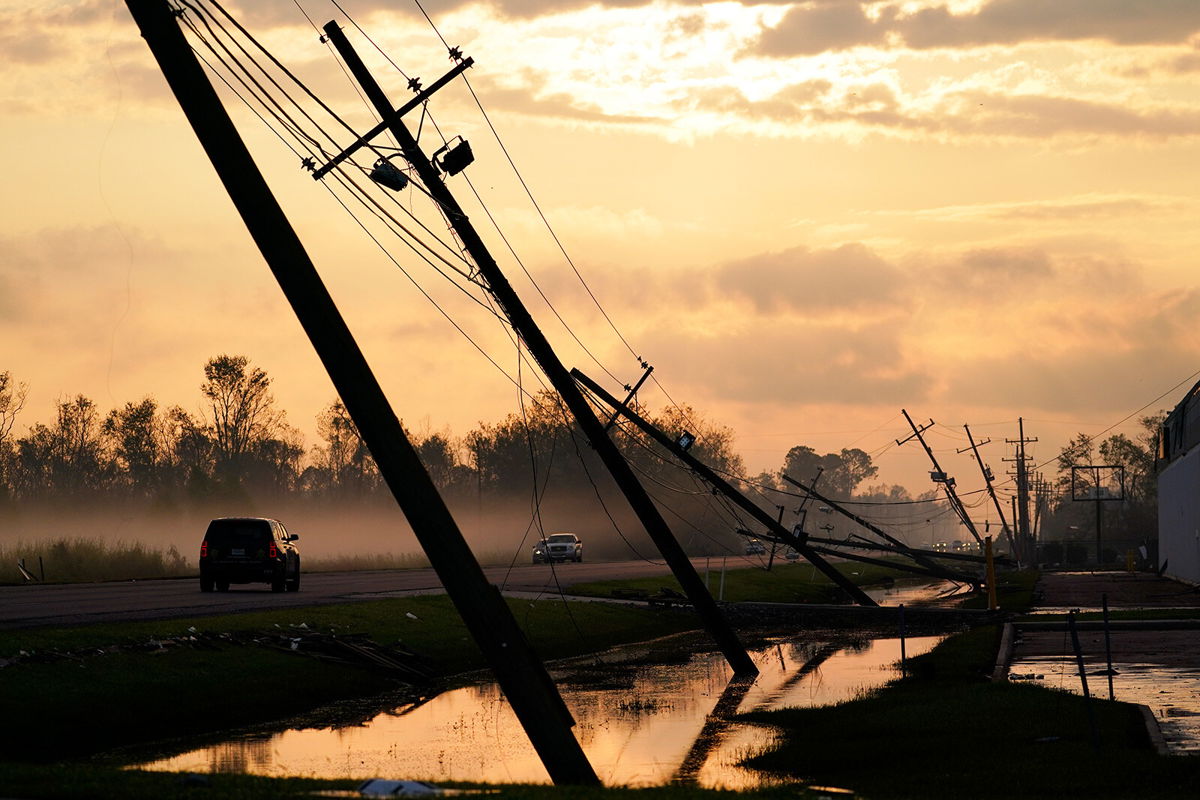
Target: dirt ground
{"type": "Point", "coordinates": [1084, 590]}
{"type": "Point", "coordinates": [1060, 591]}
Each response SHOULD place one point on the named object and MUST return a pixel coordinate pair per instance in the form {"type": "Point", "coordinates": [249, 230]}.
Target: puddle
{"type": "Point", "coordinates": [1172, 693]}
{"type": "Point", "coordinates": [917, 594]}
{"type": "Point", "coordinates": [640, 725]}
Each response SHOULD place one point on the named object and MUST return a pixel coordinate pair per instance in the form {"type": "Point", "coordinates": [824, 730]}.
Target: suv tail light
{"type": "Point", "coordinates": [273, 551]}
{"type": "Point", "coordinates": [204, 549]}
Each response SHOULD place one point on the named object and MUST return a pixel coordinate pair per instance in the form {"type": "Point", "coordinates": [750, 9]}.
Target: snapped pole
{"type": "Point", "coordinates": [539, 347]}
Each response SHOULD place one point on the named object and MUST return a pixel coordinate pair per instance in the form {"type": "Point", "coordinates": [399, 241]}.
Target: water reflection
{"type": "Point", "coordinates": [640, 725]}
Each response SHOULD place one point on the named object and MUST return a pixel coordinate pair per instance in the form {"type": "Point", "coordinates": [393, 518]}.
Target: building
{"type": "Point", "coordinates": [1178, 466]}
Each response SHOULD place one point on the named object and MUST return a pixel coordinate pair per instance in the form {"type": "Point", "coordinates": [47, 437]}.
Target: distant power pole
{"type": "Point", "coordinates": [1022, 476]}
{"type": "Point", "coordinates": [938, 475]}
{"type": "Point", "coordinates": [988, 477]}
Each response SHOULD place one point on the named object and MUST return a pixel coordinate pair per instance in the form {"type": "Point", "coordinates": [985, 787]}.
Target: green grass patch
{"type": "Point", "coordinates": [785, 583]}
{"type": "Point", "coordinates": [947, 732]}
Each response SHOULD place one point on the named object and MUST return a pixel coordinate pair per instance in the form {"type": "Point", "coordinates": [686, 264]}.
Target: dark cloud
{"type": "Point", "coordinates": [850, 277]}
{"type": "Point", "coordinates": [975, 113]}
{"type": "Point", "coordinates": [529, 100]}
{"type": "Point", "coordinates": [811, 28]}
{"type": "Point", "coordinates": [794, 365]}
{"type": "Point", "coordinates": [1038, 116]}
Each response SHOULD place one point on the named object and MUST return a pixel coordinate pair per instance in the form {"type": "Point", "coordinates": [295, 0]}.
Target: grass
{"type": "Point", "coordinates": [105, 783]}
{"type": "Point", "coordinates": [83, 559]}
{"type": "Point", "coordinates": [116, 697]}
{"type": "Point", "coordinates": [946, 731]}
{"type": "Point", "coordinates": [1014, 591]}
{"type": "Point", "coordinates": [785, 583]}
{"type": "Point", "coordinates": [79, 559]}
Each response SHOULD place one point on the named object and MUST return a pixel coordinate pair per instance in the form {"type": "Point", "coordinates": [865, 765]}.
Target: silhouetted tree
{"type": "Point", "coordinates": [136, 433]}
{"type": "Point", "coordinates": [242, 415]}
{"type": "Point", "coordinates": [12, 400]}
{"type": "Point", "coordinates": [342, 465]}
{"type": "Point", "coordinates": [841, 473]}
{"type": "Point", "coordinates": [69, 459]}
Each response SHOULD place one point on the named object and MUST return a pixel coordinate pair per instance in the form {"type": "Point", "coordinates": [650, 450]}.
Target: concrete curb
{"type": "Point", "coordinates": [1004, 656]}
{"type": "Point", "coordinates": [1155, 732]}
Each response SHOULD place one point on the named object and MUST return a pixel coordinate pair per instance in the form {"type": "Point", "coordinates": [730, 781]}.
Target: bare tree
{"type": "Point", "coordinates": [242, 411]}
{"type": "Point", "coordinates": [12, 400]}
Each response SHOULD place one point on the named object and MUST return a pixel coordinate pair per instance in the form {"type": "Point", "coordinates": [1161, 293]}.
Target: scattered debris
{"type": "Point", "coordinates": [378, 787]}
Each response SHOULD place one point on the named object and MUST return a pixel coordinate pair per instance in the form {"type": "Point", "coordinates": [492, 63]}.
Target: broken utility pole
{"type": "Point", "coordinates": [521, 675]}
{"type": "Point", "coordinates": [938, 475]}
{"type": "Point", "coordinates": [539, 347]}
{"type": "Point", "coordinates": [988, 477]}
{"type": "Point", "coordinates": [721, 485]}
{"type": "Point", "coordinates": [930, 566]}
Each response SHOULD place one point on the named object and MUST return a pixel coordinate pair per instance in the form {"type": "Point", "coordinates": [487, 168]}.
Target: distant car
{"type": "Point", "coordinates": [791, 555]}
{"type": "Point", "coordinates": [755, 548]}
{"type": "Point", "coordinates": [558, 547]}
{"type": "Point", "coordinates": [249, 550]}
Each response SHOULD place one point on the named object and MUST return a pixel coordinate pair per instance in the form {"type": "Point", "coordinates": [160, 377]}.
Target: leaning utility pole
{"type": "Point", "coordinates": [931, 567]}
{"type": "Point", "coordinates": [521, 675]}
{"type": "Point", "coordinates": [723, 486]}
{"type": "Point", "coordinates": [939, 476]}
{"type": "Point", "coordinates": [988, 477]}
{"type": "Point", "coordinates": [1022, 470]}
{"type": "Point", "coordinates": [539, 347]}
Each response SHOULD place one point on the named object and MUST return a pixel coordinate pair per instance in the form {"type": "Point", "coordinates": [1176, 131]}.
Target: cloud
{"type": "Point", "coordinates": [793, 364]}
{"type": "Point", "coordinates": [850, 277]}
{"type": "Point", "coordinates": [812, 28]}
{"type": "Point", "coordinates": [1127, 351]}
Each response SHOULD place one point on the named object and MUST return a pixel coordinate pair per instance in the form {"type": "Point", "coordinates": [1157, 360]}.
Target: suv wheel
{"type": "Point", "coordinates": [293, 585]}
{"type": "Point", "coordinates": [206, 584]}
{"type": "Point", "coordinates": [222, 586]}
{"type": "Point", "coordinates": [278, 583]}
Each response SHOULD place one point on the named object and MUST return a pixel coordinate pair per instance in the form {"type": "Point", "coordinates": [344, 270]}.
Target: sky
{"type": "Point", "coordinates": [806, 215]}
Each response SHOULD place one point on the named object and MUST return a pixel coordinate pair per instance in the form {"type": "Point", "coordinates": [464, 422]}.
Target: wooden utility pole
{"type": "Point", "coordinates": [988, 477]}
{"type": "Point", "coordinates": [723, 486]}
{"type": "Point", "coordinates": [521, 675]}
{"type": "Point", "coordinates": [939, 476]}
{"type": "Point", "coordinates": [1022, 470]}
{"type": "Point", "coordinates": [539, 347]}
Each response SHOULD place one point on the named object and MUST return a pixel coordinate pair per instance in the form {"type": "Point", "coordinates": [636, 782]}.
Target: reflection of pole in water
{"type": "Point", "coordinates": [718, 722]}
{"type": "Point", "coordinates": [823, 654]}
{"type": "Point", "coordinates": [716, 725]}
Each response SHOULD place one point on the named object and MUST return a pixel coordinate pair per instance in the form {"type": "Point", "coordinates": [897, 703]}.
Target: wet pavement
{"type": "Point", "coordinates": [1156, 668]}
{"type": "Point", "coordinates": [641, 723]}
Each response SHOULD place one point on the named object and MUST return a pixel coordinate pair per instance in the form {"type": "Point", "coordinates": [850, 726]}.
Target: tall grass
{"type": "Point", "coordinates": [81, 558]}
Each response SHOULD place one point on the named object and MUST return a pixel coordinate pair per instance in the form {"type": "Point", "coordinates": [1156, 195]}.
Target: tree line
{"type": "Point", "coordinates": [239, 444]}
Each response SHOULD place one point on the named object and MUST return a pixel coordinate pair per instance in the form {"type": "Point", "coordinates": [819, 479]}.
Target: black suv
{"type": "Point", "coordinates": [249, 550]}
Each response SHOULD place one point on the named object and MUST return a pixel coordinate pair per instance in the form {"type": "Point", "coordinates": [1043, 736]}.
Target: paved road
{"type": "Point", "coordinates": [81, 603]}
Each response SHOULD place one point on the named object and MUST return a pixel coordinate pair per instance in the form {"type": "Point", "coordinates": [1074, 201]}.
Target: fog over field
{"type": "Point", "coordinates": [499, 532]}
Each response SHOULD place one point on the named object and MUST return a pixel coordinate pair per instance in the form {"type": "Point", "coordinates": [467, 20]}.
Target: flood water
{"type": "Point", "coordinates": [640, 724]}
{"type": "Point", "coordinates": [1172, 693]}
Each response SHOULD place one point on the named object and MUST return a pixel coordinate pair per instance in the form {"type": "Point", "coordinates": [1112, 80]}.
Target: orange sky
{"type": "Point", "coordinates": [805, 215]}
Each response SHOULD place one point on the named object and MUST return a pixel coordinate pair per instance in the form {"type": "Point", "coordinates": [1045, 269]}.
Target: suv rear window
{"type": "Point", "coordinates": [244, 534]}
